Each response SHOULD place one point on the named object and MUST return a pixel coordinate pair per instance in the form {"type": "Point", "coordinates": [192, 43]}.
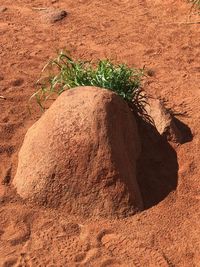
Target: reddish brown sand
{"type": "Point", "coordinates": [157, 34]}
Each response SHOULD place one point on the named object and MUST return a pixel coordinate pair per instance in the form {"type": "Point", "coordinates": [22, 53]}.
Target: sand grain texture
{"type": "Point", "coordinates": [157, 34]}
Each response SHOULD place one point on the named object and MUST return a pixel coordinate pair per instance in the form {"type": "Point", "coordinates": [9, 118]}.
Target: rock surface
{"type": "Point", "coordinates": [52, 15]}
{"type": "Point", "coordinates": [163, 121]}
{"type": "Point", "coordinates": [81, 156]}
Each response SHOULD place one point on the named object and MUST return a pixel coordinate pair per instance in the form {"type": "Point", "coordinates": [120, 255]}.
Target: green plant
{"type": "Point", "coordinates": [195, 3]}
{"type": "Point", "coordinates": [64, 73]}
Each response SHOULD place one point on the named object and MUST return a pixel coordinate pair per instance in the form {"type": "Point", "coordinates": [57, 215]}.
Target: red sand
{"type": "Point", "coordinates": [157, 34]}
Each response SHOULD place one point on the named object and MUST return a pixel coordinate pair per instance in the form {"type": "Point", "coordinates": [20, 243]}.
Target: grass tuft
{"type": "Point", "coordinates": [195, 3]}
{"type": "Point", "coordinates": [64, 73]}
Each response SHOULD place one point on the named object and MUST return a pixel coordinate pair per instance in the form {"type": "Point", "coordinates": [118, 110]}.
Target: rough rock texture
{"type": "Point", "coordinates": [52, 15]}
{"type": "Point", "coordinates": [81, 156]}
{"type": "Point", "coordinates": [163, 121]}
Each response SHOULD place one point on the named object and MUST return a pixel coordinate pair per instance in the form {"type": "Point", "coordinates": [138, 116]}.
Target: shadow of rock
{"type": "Point", "coordinates": [186, 134]}
{"type": "Point", "coordinates": [157, 169]}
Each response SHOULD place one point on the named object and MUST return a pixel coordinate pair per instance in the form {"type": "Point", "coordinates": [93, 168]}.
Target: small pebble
{"type": "Point", "coordinates": [17, 82]}
{"type": "Point", "coordinates": [3, 9]}
{"type": "Point", "coordinates": [54, 15]}
{"type": "Point", "coordinates": [58, 15]}
{"type": "Point", "coordinates": [151, 72]}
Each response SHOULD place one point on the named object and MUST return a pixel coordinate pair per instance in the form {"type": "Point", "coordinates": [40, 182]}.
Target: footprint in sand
{"type": "Point", "coordinates": [97, 254]}
{"type": "Point", "coordinates": [15, 233]}
{"type": "Point", "coordinates": [110, 249]}
{"type": "Point", "coordinates": [71, 244]}
{"type": "Point", "coordinates": [55, 243]}
{"type": "Point", "coordinates": [131, 252]}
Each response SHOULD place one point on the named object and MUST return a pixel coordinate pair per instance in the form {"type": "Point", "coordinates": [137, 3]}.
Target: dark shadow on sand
{"type": "Point", "coordinates": [157, 167]}
{"type": "Point", "coordinates": [185, 132]}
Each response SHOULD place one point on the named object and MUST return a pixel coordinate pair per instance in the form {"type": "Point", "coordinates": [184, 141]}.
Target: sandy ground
{"type": "Point", "coordinates": [157, 34]}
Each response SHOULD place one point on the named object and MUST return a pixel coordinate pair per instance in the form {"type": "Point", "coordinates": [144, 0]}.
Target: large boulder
{"type": "Point", "coordinates": [81, 156]}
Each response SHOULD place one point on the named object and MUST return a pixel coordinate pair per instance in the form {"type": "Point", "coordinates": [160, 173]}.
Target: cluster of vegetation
{"type": "Point", "coordinates": [195, 3]}
{"type": "Point", "coordinates": [64, 73]}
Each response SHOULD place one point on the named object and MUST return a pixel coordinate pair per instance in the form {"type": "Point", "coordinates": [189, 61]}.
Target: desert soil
{"type": "Point", "coordinates": [158, 34]}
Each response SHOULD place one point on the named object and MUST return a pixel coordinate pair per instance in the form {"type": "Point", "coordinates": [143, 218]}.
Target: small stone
{"type": "Point", "coordinates": [58, 15]}
{"type": "Point", "coordinates": [163, 121]}
{"type": "Point", "coordinates": [3, 9]}
{"type": "Point", "coordinates": [151, 72]}
{"type": "Point", "coordinates": [17, 82]}
{"type": "Point", "coordinates": [54, 15]}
